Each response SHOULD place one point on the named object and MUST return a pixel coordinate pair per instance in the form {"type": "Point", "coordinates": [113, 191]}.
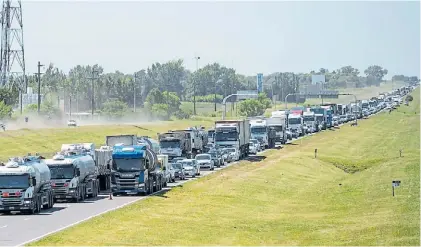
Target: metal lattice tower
{"type": "Point", "coordinates": [12, 63]}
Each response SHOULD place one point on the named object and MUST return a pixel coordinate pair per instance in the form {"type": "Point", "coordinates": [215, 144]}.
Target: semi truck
{"type": "Point", "coordinates": [175, 144]}
{"type": "Point", "coordinates": [25, 185]}
{"type": "Point", "coordinates": [103, 159]}
{"type": "Point", "coordinates": [233, 134]}
{"type": "Point", "coordinates": [134, 170]}
{"type": "Point", "coordinates": [211, 136]}
{"type": "Point", "coordinates": [279, 124]}
{"type": "Point", "coordinates": [321, 116]}
{"type": "Point", "coordinates": [309, 119]}
{"type": "Point", "coordinates": [260, 131]}
{"type": "Point", "coordinates": [295, 123]}
{"type": "Point", "coordinates": [74, 175]}
{"type": "Point", "coordinates": [329, 115]}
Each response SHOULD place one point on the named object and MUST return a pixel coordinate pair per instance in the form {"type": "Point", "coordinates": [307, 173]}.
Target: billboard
{"type": "Point", "coordinates": [260, 82]}
{"type": "Point", "coordinates": [318, 79]}
{"type": "Point", "coordinates": [243, 97]}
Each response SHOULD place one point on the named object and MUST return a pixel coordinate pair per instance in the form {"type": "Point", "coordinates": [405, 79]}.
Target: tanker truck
{"type": "Point", "coordinates": [25, 185]}
{"type": "Point", "coordinates": [134, 170]}
{"type": "Point", "coordinates": [74, 175]}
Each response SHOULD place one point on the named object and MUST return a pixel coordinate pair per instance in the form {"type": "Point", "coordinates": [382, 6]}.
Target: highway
{"type": "Point", "coordinates": [64, 215]}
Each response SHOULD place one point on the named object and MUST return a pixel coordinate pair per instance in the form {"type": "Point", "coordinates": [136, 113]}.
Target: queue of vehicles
{"type": "Point", "coordinates": [132, 165]}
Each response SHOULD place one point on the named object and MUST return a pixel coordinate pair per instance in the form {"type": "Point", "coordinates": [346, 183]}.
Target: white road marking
{"type": "Point", "coordinates": [27, 219]}
{"type": "Point", "coordinates": [3, 226]}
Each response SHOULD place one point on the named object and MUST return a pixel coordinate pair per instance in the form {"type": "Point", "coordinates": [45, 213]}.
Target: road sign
{"type": "Point", "coordinates": [315, 79]}
{"type": "Point", "coordinates": [259, 82]}
{"type": "Point", "coordinates": [243, 97]}
{"type": "Point", "coordinates": [396, 183]}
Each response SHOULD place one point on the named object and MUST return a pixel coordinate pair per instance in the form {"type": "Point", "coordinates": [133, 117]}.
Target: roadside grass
{"type": "Point", "coordinates": [48, 141]}
{"type": "Point", "coordinates": [290, 198]}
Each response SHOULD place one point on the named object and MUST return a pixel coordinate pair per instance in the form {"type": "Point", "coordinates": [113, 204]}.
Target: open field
{"type": "Point", "coordinates": [48, 141]}
{"type": "Point", "coordinates": [206, 108]}
{"type": "Point", "coordinates": [289, 198]}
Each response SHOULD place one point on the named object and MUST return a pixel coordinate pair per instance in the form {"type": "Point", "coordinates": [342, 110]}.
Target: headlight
{"type": "Point", "coordinates": [27, 201]}
{"type": "Point", "coordinates": [71, 191]}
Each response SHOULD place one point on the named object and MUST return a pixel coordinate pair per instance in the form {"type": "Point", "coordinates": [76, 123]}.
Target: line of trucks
{"type": "Point", "coordinates": [131, 164]}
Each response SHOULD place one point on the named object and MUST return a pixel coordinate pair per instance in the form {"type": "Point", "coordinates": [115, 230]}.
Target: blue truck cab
{"type": "Point", "coordinates": [134, 170]}
{"type": "Point", "coordinates": [321, 116]}
{"type": "Point", "coordinates": [128, 170]}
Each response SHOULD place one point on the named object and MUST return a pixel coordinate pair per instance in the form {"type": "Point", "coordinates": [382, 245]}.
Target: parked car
{"type": "Point", "coordinates": [217, 159]}
{"type": "Point", "coordinates": [256, 143]}
{"type": "Point", "coordinates": [252, 148]}
{"type": "Point", "coordinates": [191, 167]}
{"type": "Point", "coordinates": [205, 161]}
{"type": "Point", "coordinates": [233, 153]}
{"type": "Point", "coordinates": [178, 170]}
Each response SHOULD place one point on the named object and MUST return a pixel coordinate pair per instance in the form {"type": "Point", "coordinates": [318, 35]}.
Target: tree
{"type": "Point", "coordinates": [264, 100]}
{"type": "Point", "coordinates": [114, 109]}
{"type": "Point", "coordinates": [375, 74]}
{"type": "Point", "coordinates": [5, 110]}
{"type": "Point", "coordinates": [251, 108]}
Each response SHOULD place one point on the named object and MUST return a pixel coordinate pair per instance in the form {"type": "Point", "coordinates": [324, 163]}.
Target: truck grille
{"type": "Point", "coordinates": [128, 183]}
{"type": "Point", "coordinates": [59, 189]}
{"type": "Point", "coordinates": [12, 200]}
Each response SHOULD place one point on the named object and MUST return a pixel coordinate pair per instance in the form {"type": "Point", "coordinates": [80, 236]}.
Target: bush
{"type": "Point", "coordinates": [114, 109]}
{"type": "Point", "coordinates": [209, 98]}
{"type": "Point", "coordinates": [5, 110]}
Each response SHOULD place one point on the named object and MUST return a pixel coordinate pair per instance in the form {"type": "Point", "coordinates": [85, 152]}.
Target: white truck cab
{"type": "Point", "coordinates": [295, 123]}
{"type": "Point", "coordinates": [309, 119]}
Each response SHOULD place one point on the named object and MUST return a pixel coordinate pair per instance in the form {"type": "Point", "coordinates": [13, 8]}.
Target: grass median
{"type": "Point", "coordinates": [342, 197]}
{"type": "Point", "coordinates": [48, 141]}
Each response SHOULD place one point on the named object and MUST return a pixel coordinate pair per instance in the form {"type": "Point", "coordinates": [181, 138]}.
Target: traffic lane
{"type": "Point", "coordinates": [66, 215]}
{"type": "Point", "coordinates": [60, 216]}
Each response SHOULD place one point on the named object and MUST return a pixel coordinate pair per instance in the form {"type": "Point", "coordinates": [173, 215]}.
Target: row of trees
{"type": "Point", "coordinates": [164, 86]}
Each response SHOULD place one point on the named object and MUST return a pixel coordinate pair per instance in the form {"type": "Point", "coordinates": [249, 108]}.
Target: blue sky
{"type": "Point", "coordinates": [251, 37]}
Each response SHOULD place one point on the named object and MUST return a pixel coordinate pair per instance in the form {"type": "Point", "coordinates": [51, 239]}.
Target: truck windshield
{"type": "Point", "coordinates": [128, 165]}
{"type": "Point", "coordinates": [294, 121]}
{"type": "Point", "coordinates": [258, 130]}
{"type": "Point", "coordinates": [277, 128]}
{"type": "Point", "coordinates": [226, 136]}
{"type": "Point", "coordinates": [62, 171]}
{"type": "Point", "coordinates": [308, 118]}
{"type": "Point", "coordinates": [319, 118]}
{"type": "Point", "coordinates": [14, 181]}
{"type": "Point", "coordinates": [169, 144]}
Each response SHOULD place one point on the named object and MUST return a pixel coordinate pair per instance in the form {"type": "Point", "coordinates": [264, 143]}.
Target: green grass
{"type": "Point", "coordinates": [290, 198]}
{"type": "Point", "coordinates": [48, 141]}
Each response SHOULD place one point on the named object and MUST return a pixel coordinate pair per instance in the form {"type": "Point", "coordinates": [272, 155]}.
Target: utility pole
{"type": "Point", "coordinates": [39, 86]}
{"type": "Point", "coordinates": [134, 92]}
{"type": "Point", "coordinates": [93, 78]}
{"type": "Point", "coordinates": [194, 86]}
{"type": "Point", "coordinates": [70, 106]}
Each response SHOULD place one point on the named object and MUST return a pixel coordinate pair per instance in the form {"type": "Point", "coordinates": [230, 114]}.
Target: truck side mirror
{"type": "Point", "coordinates": [34, 181]}
{"type": "Point", "coordinates": [77, 172]}
{"type": "Point", "coordinates": [164, 168]}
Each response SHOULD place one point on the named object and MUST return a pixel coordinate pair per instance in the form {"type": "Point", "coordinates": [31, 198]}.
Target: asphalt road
{"type": "Point", "coordinates": [18, 230]}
